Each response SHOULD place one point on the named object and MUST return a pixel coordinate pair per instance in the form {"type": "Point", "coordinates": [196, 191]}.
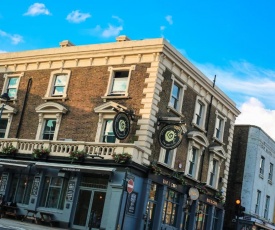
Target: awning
{"type": "Point", "coordinates": [262, 226]}
{"type": "Point", "coordinates": [76, 168]}
{"type": "Point", "coordinates": [8, 163]}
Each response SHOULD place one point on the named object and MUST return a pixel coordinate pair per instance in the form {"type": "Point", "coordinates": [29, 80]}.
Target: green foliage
{"type": "Point", "coordinates": [40, 153]}
{"type": "Point", "coordinates": [155, 169]}
{"type": "Point", "coordinates": [76, 154]}
{"type": "Point", "coordinates": [122, 157]}
{"type": "Point", "coordinates": [9, 150]}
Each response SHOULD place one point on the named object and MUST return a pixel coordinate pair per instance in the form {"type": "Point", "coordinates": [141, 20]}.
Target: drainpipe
{"type": "Point", "coordinates": [24, 106]}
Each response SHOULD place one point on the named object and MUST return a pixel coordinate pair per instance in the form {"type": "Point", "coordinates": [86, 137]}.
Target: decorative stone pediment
{"type": "Point", "coordinates": [198, 137]}
{"type": "Point", "coordinates": [109, 107]}
{"type": "Point", "coordinates": [51, 107]}
{"type": "Point", "coordinates": [219, 151]}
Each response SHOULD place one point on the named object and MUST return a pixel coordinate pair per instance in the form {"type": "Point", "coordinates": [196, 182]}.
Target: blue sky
{"type": "Point", "coordinates": [233, 40]}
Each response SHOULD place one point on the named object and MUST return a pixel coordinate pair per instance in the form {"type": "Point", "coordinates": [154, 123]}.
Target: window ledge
{"type": "Point", "coordinates": [169, 108]}
{"type": "Point", "coordinates": [270, 181]}
{"type": "Point", "coordinates": [198, 127]}
{"type": "Point", "coordinates": [54, 98]}
{"type": "Point", "coordinates": [52, 210]}
{"type": "Point", "coordinates": [218, 140]}
{"type": "Point", "coordinates": [192, 178]}
{"type": "Point", "coordinates": [115, 97]}
{"type": "Point", "coordinates": [261, 175]}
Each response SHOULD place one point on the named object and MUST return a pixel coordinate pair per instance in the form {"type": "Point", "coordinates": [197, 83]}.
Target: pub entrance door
{"type": "Point", "coordinates": [89, 209]}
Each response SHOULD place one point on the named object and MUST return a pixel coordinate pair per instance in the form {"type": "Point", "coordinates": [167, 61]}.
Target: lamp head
{"type": "Point", "coordinates": [5, 96]}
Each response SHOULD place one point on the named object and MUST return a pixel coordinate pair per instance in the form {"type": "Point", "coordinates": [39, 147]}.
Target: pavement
{"type": "Point", "coordinates": [8, 223]}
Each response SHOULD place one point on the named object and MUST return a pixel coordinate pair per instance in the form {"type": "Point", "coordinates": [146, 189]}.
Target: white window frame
{"type": "Point", "coordinates": [200, 101]}
{"type": "Point", "coordinates": [49, 93]}
{"type": "Point", "coordinates": [171, 161]}
{"type": "Point", "coordinates": [7, 113]}
{"type": "Point", "coordinates": [6, 82]}
{"type": "Point", "coordinates": [181, 95]}
{"type": "Point", "coordinates": [258, 202]}
{"type": "Point", "coordinates": [270, 173]}
{"type": "Point", "coordinates": [112, 71]}
{"type": "Point", "coordinates": [49, 110]}
{"type": "Point", "coordinates": [262, 166]}
{"type": "Point", "coordinates": [105, 112]}
{"type": "Point", "coordinates": [216, 153]}
{"type": "Point", "coordinates": [267, 205]}
{"type": "Point", "coordinates": [223, 120]}
{"type": "Point", "coordinates": [200, 149]}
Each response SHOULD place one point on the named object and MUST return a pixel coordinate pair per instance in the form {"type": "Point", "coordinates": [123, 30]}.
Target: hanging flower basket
{"type": "Point", "coordinates": [41, 153]}
{"type": "Point", "coordinates": [219, 195]}
{"type": "Point", "coordinates": [78, 155]}
{"type": "Point", "coordinates": [9, 150]}
{"type": "Point", "coordinates": [122, 157]}
{"type": "Point", "coordinates": [155, 169]}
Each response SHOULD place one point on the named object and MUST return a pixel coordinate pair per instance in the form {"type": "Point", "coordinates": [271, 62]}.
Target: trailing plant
{"type": "Point", "coordinates": [155, 168]}
{"type": "Point", "coordinates": [40, 153]}
{"type": "Point", "coordinates": [180, 177]}
{"type": "Point", "coordinates": [219, 195]}
{"type": "Point", "coordinates": [122, 157]}
{"type": "Point", "coordinates": [9, 150]}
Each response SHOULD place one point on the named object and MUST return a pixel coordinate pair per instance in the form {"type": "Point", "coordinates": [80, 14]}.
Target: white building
{"type": "Point", "coordinates": [252, 178]}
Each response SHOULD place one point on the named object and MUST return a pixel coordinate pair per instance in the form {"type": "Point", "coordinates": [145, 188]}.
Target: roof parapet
{"type": "Point", "coordinates": [65, 43]}
{"type": "Point", "coordinates": [122, 38]}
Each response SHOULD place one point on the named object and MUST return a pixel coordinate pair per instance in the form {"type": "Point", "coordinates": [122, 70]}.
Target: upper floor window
{"type": "Point", "coordinates": [176, 95]}
{"type": "Point", "coordinates": [106, 114]}
{"type": "Point", "coordinates": [216, 158]}
{"type": "Point", "coordinates": [6, 120]}
{"type": "Point", "coordinates": [258, 202]}
{"type": "Point", "coordinates": [270, 174]}
{"type": "Point", "coordinates": [213, 173]}
{"type": "Point", "coordinates": [58, 84]}
{"type": "Point", "coordinates": [167, 157]}
{"type": "Point", "coordinates": [108, 134]}
{"type": "Point", "coordinates": [3, 127]}
{"type": "Point", "coordinates": [192, 162]}
{"type": "Point", "coordinates": [49, 129]}
{"type": "Point", "coordinates": [119, 80]}
{"type": "Point", "coordinates": [197, 144]}
{"type": "Point", "coordinates": [50, 115]}
{"type": "Point", "coordinates": [200, 113]}
{"type": "Point", "coordinates": [11, 85]}
{"type": "Point", "coordinates": [266, 208]}
{"type": "Point", "coordinates": [262, 162]}
{"type": "Point", "coordinates": [219, 127]}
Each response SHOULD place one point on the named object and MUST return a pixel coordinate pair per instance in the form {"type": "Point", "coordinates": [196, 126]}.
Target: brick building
{"type": "Point", "coordinates": [251, 179]}
{"type": "Point", "coordinates": [176, 126]}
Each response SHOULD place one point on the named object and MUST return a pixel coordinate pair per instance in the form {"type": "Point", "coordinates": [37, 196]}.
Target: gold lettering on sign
{"type": "Point", "coordinates": [208, 200]}
{"type": "Point", "coordinates": [169, 183]}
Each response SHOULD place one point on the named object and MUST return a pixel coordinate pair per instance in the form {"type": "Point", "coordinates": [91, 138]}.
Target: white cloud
{"type": "Point", "coordinates": [169, 19]}
{"type": "Point", "coordinates": [118, 19]}
{"type": "Point", "coordinates": [253, 112]}
{"type": "Point", "coordinates": [37, 9]}
{"type": "Point", "coordinates": [162, 28]}
{"type": "Point", "coordinates": [243, 80]}
{"type": "Point", "coordinates": [111, 31]}
{"type": "Point", "coordinates": [14, 38]}
{"type": "Point", "coordinates": [77, 17]}
{"type": "Point", "coordinates": [3, 51]}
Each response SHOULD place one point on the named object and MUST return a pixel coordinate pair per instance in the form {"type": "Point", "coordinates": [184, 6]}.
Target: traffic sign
{"type": "Point", "coordinates": [130, 186]}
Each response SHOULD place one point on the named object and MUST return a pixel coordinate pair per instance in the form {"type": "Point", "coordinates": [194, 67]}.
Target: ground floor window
{"type": "Point", "coordinates": [215, 219]}
{"type": "Point", "coordinates": [53, 195]}
{"type": "Point", "coordinates": [201, 216]}
{"type": "Point", "coordinates": [20, 189]}
{"type": "Point", "coordinates": [170, 209]}
{"type": "Point", "coordinates": [151, 206]}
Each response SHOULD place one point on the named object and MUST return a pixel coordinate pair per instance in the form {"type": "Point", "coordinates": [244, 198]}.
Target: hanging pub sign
{"type": "Point", "coordinates": [170, 136]}
{"type": "Point", "coordinates": [121, 125]}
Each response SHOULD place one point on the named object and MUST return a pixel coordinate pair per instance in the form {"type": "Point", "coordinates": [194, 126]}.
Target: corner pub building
{"type": "Point", "coordinates": [122, 135]}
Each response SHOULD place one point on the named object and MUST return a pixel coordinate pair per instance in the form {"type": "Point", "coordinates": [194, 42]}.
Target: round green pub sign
{"type": "Point", "coordinates": [170, 136]}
